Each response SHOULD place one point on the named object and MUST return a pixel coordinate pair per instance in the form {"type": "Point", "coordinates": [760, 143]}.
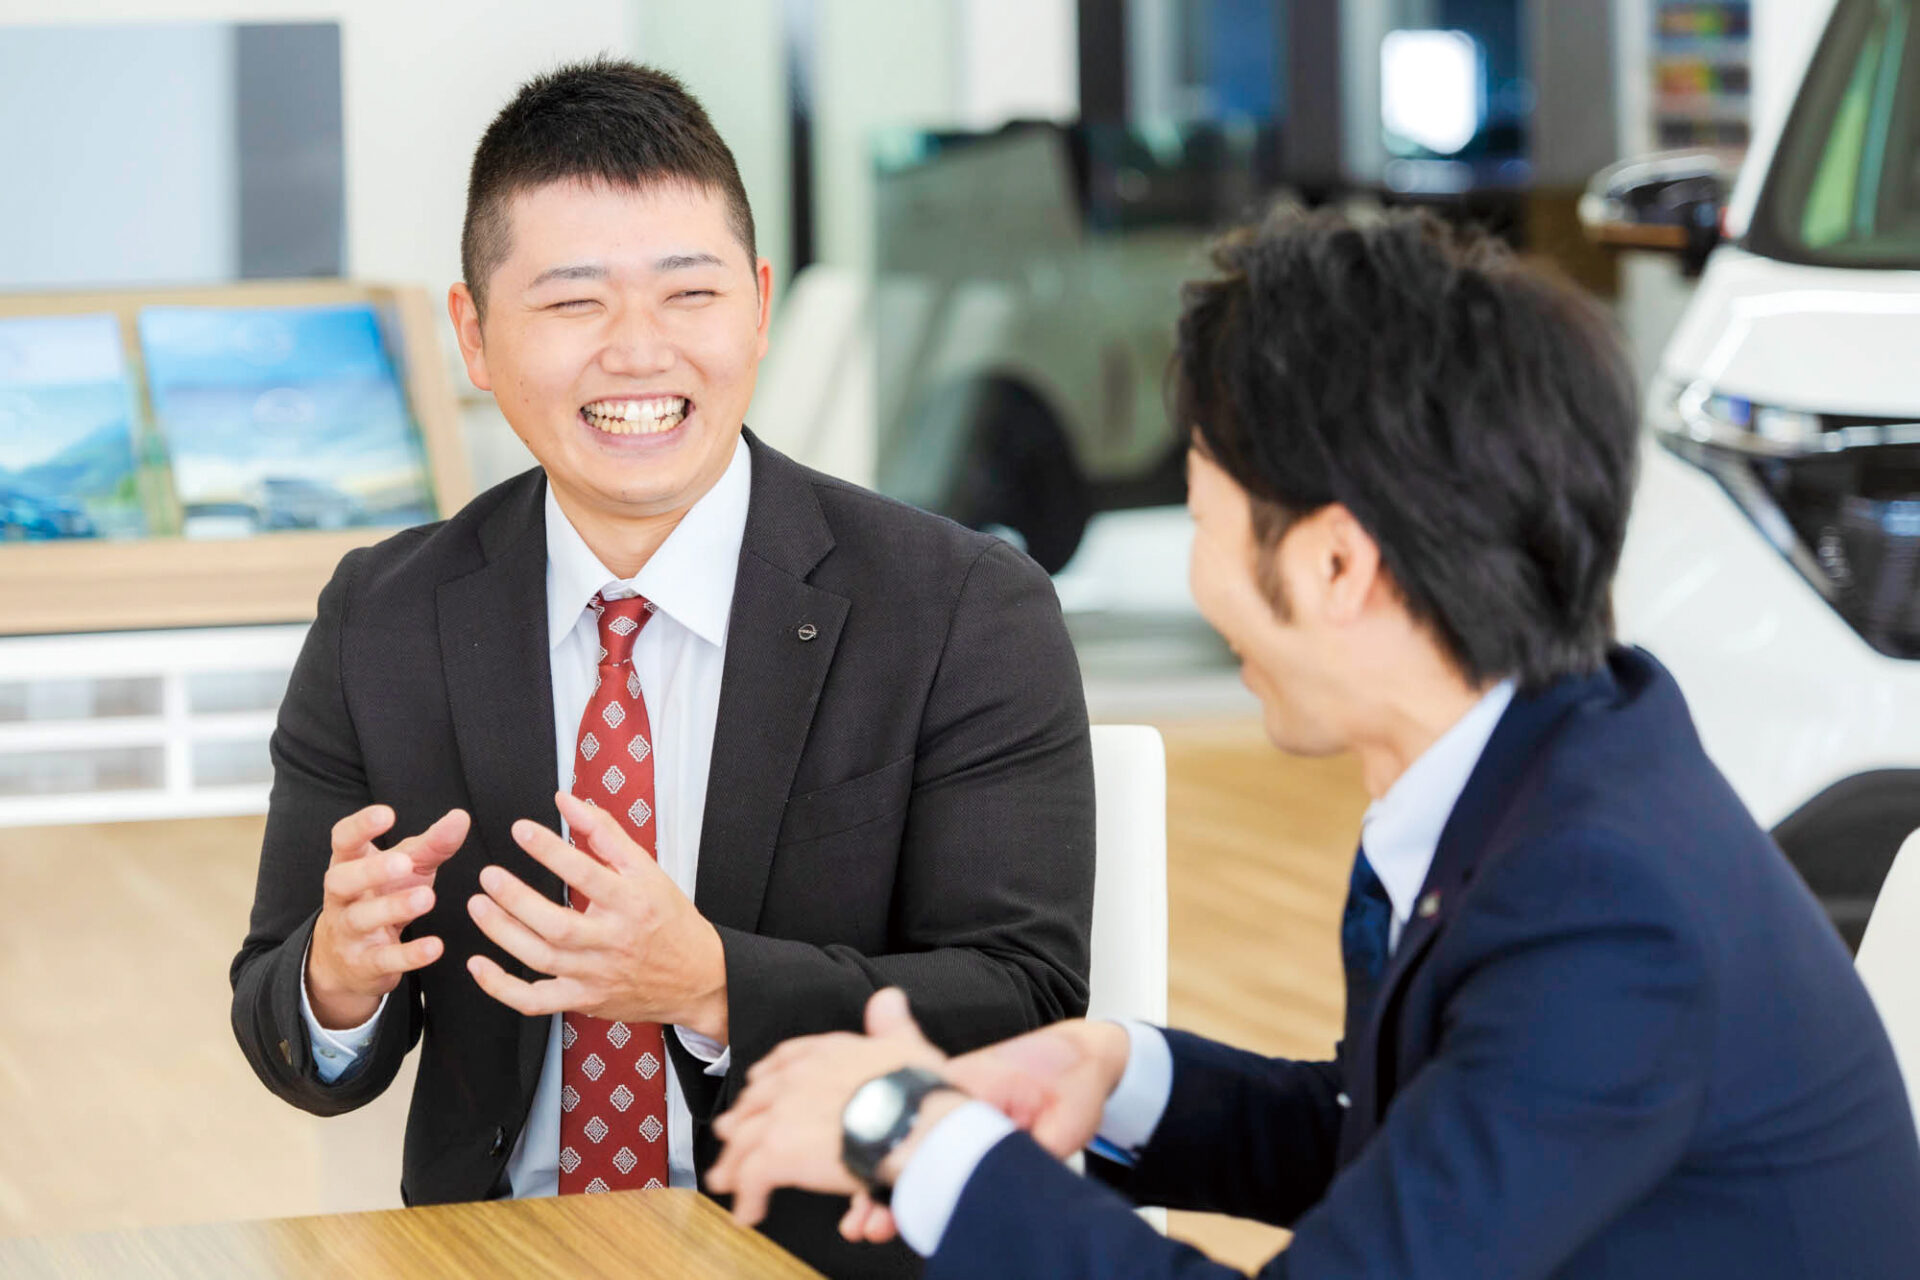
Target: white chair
{"type": "Point", "coordinates": [1889, 960]}
{"type": "Point", "coordinates": [1129, 972]}
{"type": "Point", "coordinates": [1128, 978]}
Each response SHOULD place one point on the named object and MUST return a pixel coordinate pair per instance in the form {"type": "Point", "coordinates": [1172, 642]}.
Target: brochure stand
{"type": "Point", "coordinates": [140, 677]}
{"type": "Point", "coordinates": [94, 584]}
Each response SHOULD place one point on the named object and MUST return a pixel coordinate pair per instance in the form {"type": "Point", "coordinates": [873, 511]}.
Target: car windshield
{"type": "Point", "coordinates": [1845, 185]}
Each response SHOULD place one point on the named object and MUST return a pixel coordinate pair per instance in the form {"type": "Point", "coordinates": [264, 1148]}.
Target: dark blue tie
{"type": "Point", "coordinates": [1363, 942]}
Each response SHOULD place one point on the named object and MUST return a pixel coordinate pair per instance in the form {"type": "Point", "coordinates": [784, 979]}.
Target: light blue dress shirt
{"type": "Point", "coordinates": [1400, 832]}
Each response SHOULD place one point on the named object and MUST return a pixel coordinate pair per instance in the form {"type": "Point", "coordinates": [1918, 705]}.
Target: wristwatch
{"type": "Point", "coordinates": [878, 1118]}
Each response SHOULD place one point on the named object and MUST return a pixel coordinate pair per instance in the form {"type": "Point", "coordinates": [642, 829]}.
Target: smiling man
{"type": "Point", "coordinates": [821, 743]}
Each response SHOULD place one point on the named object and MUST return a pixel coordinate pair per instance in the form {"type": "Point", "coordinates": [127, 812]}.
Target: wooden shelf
{"type": "Point", "coordinates": [138, 584]}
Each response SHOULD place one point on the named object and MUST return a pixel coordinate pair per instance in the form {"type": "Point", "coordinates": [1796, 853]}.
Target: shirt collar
{"type": "Point", "coordinates": [1401, 830]}
{"type": "Point", "coordinates": [690, 577]}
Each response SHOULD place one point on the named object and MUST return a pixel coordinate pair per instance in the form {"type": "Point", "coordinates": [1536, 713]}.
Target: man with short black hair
{"type": "Point", "coordinates": [1595, 1025]}
{"type": "Point", "coordinates": [697, 748]}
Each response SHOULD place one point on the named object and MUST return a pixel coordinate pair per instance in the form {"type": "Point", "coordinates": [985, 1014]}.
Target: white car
{"type": "Point", "coordinates": [1773, 562]}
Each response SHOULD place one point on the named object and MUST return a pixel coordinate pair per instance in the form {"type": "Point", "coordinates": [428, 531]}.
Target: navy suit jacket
{"type": "Point", "coordinates": [1625, 1044]}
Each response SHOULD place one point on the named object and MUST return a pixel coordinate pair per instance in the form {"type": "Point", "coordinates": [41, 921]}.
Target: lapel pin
{"type": "Point", "coordinates": [1429, 906]}
{"type": "Point", "coordinates": [808, 631]}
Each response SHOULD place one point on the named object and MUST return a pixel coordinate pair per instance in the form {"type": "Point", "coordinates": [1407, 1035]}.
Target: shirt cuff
{"type": "Point", "coordinates": [335, 1052]}
{"type": "Point", "coordinates": [717, 1056]}
{"type": "Point", "coordinates": [1133, 1111]}
{"type": "Point", "coordinates": [930, 1187]}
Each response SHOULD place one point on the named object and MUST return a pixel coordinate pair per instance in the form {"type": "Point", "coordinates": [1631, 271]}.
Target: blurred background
{"type": "Point", "coordinates": [227, 236]}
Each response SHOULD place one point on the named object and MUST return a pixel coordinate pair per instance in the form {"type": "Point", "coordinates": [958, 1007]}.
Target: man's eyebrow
{"type": "Point", "coordinates": [682, 261]}
{"type": "Point", "coordinates": [577, 271]}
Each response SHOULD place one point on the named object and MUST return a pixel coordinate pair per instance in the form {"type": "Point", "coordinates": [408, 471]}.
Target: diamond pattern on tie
{"type": "Point", "coordinates": [598, 1187]}
{"type": "Point", "coordinates": [612, 1069]}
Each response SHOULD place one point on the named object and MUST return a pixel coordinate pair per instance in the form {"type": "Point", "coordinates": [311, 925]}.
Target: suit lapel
{"type": "Point", "coordinates": [1502, 773]}
{"type": "Point", "coordinates": [780, 644]}
{"type": "Point", "coordinates": [493, 647]}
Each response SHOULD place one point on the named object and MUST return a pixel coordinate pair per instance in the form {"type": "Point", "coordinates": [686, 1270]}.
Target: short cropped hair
{"type": "Point", "coordinates": [1477, 416]}
{"type": "Point", "coordinates": [603, 121]}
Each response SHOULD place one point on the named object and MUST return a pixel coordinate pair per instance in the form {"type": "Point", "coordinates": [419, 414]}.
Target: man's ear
{"type": "Point", "coordinates": [465, 314]}
{"type": "Point", "coordinates": [763, 280]}
{"type": "Point", "coordinates": [1349, 564]}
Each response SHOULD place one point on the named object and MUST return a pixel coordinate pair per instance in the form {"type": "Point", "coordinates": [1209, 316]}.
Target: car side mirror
{"type": "Point", "coordinates": [1670, 202]}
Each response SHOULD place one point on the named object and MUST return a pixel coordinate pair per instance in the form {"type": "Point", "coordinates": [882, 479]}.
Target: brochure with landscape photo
{"type": "Point", "coordinates": [283, 418]}
{"type": "Point", "coordinates": [69, 465]}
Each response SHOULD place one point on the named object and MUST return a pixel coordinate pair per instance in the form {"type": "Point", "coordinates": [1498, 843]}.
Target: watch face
{"type": "Point", "coordinates": [872, 1111]}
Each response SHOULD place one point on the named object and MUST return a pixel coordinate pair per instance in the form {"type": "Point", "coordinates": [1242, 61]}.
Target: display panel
{"type": "Point", "coordinates": [68, 447]}
{"type": "Point", "coordinates": [283, 418]}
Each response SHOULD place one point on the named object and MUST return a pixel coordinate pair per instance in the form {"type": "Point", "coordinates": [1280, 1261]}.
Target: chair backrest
{"type": "Point", "coordinates": [1889, 960]}
{"type": "Point", "coordinates": [1129, 974]}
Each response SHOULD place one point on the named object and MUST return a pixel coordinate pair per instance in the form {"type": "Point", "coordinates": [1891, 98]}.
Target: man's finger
{"type": "Point", "coordinates": [866, 1222]}
{"type": "Point", "coordinates": [594, 828]}
{"type": "Point", "coordinates": [513, 937]}
{"type": "Point", "coordinates": [560, 925]}
{"type": "Point", "coordinates": [438, 842]}
{"type": "Point", "coordinates": [888, 1014]}
{"type": "Point", "coordinates": [347, 880]}
{"type": "Point", "coordinates": [366, 914]}
{"type": "Point", "coordinates": [743, 1137]}
{"type": "Point", "coordinates": [534, 999]}
{"type": "Point", "coordinates": [353, 833]}
{"type": "Point", "coordinates": [404, 957]}
{"type": "Point", "coordinates": [755, 1185]}
{"type": "Point", "coordinates": [579, 870]}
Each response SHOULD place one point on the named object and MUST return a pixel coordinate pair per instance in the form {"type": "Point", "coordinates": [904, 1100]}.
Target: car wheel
{"type": "Point", "coordinates": [1016, 471]}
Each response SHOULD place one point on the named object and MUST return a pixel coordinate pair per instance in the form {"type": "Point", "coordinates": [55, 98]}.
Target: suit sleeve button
{"type": "Point", "coordinates": [499, 1147]}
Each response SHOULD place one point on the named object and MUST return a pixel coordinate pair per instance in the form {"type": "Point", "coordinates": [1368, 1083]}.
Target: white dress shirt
{"type": "Point", "coordinates": [680, 656]}
{"type": "Point", "coordinates": [1400, 832]}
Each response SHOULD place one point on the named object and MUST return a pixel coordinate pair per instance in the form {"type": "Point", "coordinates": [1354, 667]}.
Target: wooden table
{"type": "Point", "coordinates": [631, 1235]}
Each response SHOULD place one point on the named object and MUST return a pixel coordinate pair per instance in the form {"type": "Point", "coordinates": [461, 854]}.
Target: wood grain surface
{"type": "Point", "coordinates": [632, 1235]}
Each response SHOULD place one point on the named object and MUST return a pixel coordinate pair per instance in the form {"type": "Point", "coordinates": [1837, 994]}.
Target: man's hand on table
{"type": "Point", "coordinates": [640, 952]}
{"type": "Point", "coordinates": [785, 1129]}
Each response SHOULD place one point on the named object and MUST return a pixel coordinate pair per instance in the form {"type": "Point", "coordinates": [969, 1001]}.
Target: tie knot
{"type": "Point", "coordinates": [620, 622]}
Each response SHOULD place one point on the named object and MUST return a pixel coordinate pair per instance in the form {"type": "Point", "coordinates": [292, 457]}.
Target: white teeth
{"type": "Point", "coordinates": [637, 417]}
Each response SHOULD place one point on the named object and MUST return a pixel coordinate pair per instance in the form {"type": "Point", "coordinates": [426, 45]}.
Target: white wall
{"type": "Point", "coordinates": [731, 55]}
{"type": "Point", "coordinates": [1018, 59]}
{"type": "Point", "coordinates": [108, 131]}
{"type": "Point", "coordinates": [422, 80]}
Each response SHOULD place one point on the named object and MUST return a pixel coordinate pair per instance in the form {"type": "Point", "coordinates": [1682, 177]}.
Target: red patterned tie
{"type": "Point", "coordinates": [613, 1094]}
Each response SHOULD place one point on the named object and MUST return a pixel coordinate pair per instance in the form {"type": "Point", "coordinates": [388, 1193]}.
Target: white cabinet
{"type": "Point", "coordinates": [121, 726]}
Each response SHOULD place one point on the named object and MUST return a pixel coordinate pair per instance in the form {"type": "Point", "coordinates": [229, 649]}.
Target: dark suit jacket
{"type": "Point", "coordinates": [1625, 1044]}
{"type": "Point", "coordinates": [905, 799]}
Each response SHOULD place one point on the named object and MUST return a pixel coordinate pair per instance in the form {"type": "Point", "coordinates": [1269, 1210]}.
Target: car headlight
{"type": "Point", "coordinates": [1837, 495]}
